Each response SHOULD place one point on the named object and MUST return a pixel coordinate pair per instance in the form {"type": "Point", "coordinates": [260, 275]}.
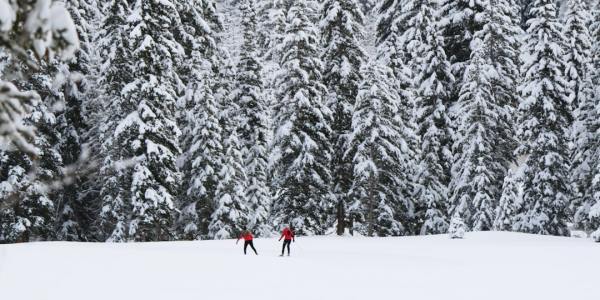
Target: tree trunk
{"type": "Point", "coordinates": [341, 218]}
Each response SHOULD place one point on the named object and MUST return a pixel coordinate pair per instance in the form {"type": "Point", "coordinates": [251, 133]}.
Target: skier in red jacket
{"type": "Point", "coordinates": [247, 236]}
{"type": "Point", "coordinates": [288, 236]}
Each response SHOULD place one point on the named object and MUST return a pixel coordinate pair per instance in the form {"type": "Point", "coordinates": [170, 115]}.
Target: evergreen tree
{"type": "Point", "coordinates": [432, 86]}
{"type": "Point", "coordinates": [29, 178]}
{"type": "Point", "coordinates": [198, 114]}
{"type": "Point", "coordinates": [146, 133]}
{"type": "Point", "coordinates": [460, 21]}
{"type": "Point", "coordinates": [343, 56]}
{"type": "Point", "coordinates": [115, 55]}
{"type": "Point", "coordinates": [500, 36]}
{"type": "Point", "coordinates": [230, 214]}
{"type": "Point", "coordinates": [202, 160]}
{"type": "Point", "coordinates": [544, 121]}
{"type": "Point", "coordinates": [508, 205]}
{"type": "Point", "coordinates": [484, 141]}
{"type": "Point", "coordinates": [381, 191]}
{"type": "Point", "coordinates": [77, 211]}
{"type": "Point", "coordinates": [586, 140]}
{"type": "Point", "coordinates": [578, 58]}
{"type": "Point", "coordinates": [473, 190]}
{"type": "Point", "coordinates": [578, 47]}
{"type": "Point", "coordinates": [302, 151]}
{"type": "Point", "coordinates": [50, 33]}
{"type": "Point", "coordinates": [391, 28]}
{"type": "Point", "coordinates": [254, 125]}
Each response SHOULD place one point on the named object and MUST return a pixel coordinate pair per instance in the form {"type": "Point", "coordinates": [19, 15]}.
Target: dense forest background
{"type": "Point", "coordinates": [195, 119]}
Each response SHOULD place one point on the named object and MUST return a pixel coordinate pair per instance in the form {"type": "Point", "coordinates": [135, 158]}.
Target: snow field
{"type": "Point", "coordinates": [491, 266]}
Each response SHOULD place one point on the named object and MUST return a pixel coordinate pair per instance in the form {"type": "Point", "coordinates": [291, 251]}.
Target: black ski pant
{"type": "Point", "coordinates": [286, 243]}
{"type": "Point", "coordinates": [246, 243]}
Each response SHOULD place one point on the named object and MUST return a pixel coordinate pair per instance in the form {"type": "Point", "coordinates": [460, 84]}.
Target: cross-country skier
{"type": "Point", "coordinates": [288, 236]}
{"type": "Point", "coordinates": [247, 236]}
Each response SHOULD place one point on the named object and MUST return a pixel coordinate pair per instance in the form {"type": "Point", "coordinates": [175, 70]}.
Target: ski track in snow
{"type": "Point", "coordinates": [483, 266]}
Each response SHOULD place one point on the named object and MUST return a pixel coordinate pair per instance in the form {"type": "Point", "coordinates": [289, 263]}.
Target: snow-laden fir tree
{"type": "Point", "coordinates": [271, 22]}
{"type": "Point", "coordinates": [508, 206]}
{"type": "Point", "coordinates": [484, 141]}
{"type": "Point", "coordinates": [391, 26]}
{"type": "Point", "coordinates": [33, 216]}
{"type": "Point", "coordinates": [254, 123]}
{"type": "Point", "coordinates": [230, 193]}
{"type": "Point", "coordinates": [432, 86]}
{"type": "Point", "coordinates": [202, 159]}
{"type": "Point", "coordinates": [544, 124]}
{"type": "Point", "coordinates": [460, 20]}
{"type": "Point", "coordinates": [457, 227]}
{"type": "Point", "coordinates": [199, 39]}
{"type": "Point", "coordinates": [302, 149]}
{"type": "Point", "coordinates": [341, 31]}
{"type": "Point", "coordinates": [577, 59]}
{"type": "Point", "coordinates": [31, 162]}
{"type": "Point", "coordinates": [49, 32]}
{"type": "Point", "coordinates": [381, 193]}
{"type": "Point", "coordinates": [198, 114]}
{"type": "Point", "coordinates": [501, 38]}
{"type": "Point", "coordinates": [77, 210]}
{"type": "Point", "coordinates": [113, 49]}
{"type": "Point", "coordinates": [473, 188]}
{"type": "Point", "coordinates": [146, 133]}
{"type": "Point", "coordinates": [586, 139]}
{"type": "Point", "coordinates": [577, 49]}
{"type": "Point", "coordinates": [230, 213]}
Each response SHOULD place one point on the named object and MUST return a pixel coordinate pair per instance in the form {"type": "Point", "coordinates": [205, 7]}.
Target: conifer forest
{"type": "Point", "coordinates": [165, 120]}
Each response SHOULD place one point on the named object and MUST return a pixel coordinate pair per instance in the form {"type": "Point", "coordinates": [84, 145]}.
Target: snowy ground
{"type": "Point", "coordinates": [484, 266]}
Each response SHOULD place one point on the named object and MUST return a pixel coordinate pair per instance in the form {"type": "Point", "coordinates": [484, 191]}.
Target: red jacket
{"type": "Point", "coordinates": [247, 236]}
{"type": "Point", "coordinates": [287, 234]}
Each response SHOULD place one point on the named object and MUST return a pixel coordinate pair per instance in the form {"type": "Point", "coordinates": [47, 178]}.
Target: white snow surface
{"type": "Point", "coordinates": [491, 265]}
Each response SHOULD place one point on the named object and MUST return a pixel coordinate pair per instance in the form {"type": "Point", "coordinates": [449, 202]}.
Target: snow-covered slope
{"type": "Point", "coordinates": [484, 266]}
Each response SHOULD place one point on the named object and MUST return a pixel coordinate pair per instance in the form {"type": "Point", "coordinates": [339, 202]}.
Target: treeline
{"type": "Point", "coordinates": [382, 118]}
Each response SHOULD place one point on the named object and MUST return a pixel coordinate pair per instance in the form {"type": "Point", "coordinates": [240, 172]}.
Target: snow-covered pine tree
{"type": "Point", "coordinates": [457, 227]}
{"type": "Point", "coordinates": [382, 168]}
{"type": "Point", "coordinates": [508, 205]}
{"type": "Point", "coordinates": [254, 123]}
{"type": "Point", "coordinates": [391, 26]}
{"type": "Point", "coordinates": [202, 160]}
{"type": "Point", "coordinates": [146, 133]}
{"type": "Point", "coordinates": [501, 38]}
{"type": "Point", "coordinates": [460, 21]}
{"type": "Point", "coordinates": [432, 86]}
{"type": "Point", "coordinates": [49, 33]}
{"type": "Point", "coordinates": [36, 35]}
{"type": "Point", "coordinates": [577, 59]}
{"type": "Point", "coordinates": [199, 39]}
{"type": "Point", "coordinates": [585, 157]}
{"type": "Point", "coordinates": [341, 32]}
{"type": "Point", "coordinates": [302, 149]}
{"type": "Point", "coordinates": [230, 213]}
{"type": "Point", "coordinates": [484, 141]}
{"type": "Point", "coordinates": [578, 48]}
{"type": "Point", "coordinates": [473, 188]}
{"type": "Point", "coordinates": [271, 22]}
{"type": "Point", "coordinates": [78, 210]}
{"type": "Point", "coordinates": [117, 70]}
{"type": "Point", "coordinates": [198, 117]}
{"type": "Point", "coordinates": [33, 216]}
{"type": "Point", "coordinates": [544, 122]}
